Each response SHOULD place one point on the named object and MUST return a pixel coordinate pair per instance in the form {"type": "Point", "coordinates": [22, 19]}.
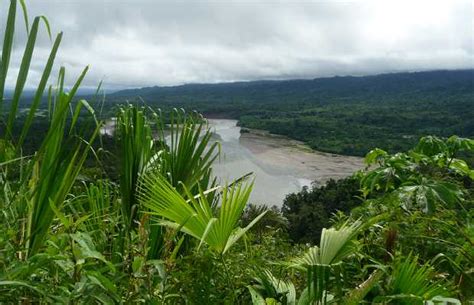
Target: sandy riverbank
{"type": "Point", "coordinates": [280, 165]}
{"type": "Point", "coordinates": [299, 159]}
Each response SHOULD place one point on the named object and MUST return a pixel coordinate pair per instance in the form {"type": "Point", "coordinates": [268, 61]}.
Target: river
{"type": "Point", "coordinates": [280, 165]}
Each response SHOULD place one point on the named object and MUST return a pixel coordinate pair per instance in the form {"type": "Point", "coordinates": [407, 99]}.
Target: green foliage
{"type": "Point", "coordinates": [50, 174]}
{"type": "Point", "coordinates": [427, 205]}
{"type": "Point", "coordinates": [7, 48]}
{"type": "Point", "coordinates": [411, 283]}
{"type": "Point", "coordinates": [202, 278]}
{"type": "Point", "coordinates": [424, 177]}
{"type": "Point", "coordinates": [188, 157]}
{"type": "Point", "coordinates": [196, 217]}
{"type": "Point", "coordinates": [135, 143]}
{"type": "Point", "coordinates": [335, 245]}
{"type": "Point", "coordinates": [54, 171]}
{"type": "Point", "coordinates": [74, 233]}
{"type": "Point", "coordinates": [40, 91]}
{"type": "Point", "coordinates": [345, 115]}
{"type": "Point", "coordinates": [273, 219]}
{"type": "Point", "coordinates": [309, 211]}
{"type": "Point", "coordinates": [281, 292]}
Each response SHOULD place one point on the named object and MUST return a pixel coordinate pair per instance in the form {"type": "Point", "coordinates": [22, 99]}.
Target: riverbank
{"type": "Point", "coordinates": [280, 165]}
{"type": "Point", "coordinates": [298, 157]}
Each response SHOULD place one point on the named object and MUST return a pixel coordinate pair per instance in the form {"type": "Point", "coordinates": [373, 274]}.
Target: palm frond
{"type": "Point", "coordinates": [412, 283]}
{"type": "Point", "coordinates": [135, 143]}
{"type": "Point", "coordinates": [335, 245]}
{"type": "Point", "coordinates": [270, 286]}
{"type": "Point", "coordinates": [188, 155]}
{"type": "Point", "coordinates": [195, 216]}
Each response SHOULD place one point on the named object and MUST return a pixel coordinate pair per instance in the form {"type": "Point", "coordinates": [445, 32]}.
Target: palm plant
{"type": "Point", "coordinates": [184, 158]}
{"type": "Point", "coordinates": [412, 283]}
{"type": "Point", "coordinates": [318, 263]}
{"type": "Point", "coordinates": [187, 157]}
{"type": "Point", "coordinates": [136, 148]}
{"type": "Point", "coordinates": [272, 290]}
{"type": "Point", "coordinates": [195, 216]}
{"type": "Point", "coordinates": [335, 245]}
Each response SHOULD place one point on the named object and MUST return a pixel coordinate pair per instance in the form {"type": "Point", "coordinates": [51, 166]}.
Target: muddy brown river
{"type": "Point", "coordinates": [280, 165]}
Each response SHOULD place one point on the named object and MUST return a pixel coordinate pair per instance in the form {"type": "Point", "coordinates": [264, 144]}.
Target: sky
{"type": "Point", "coordinates": [137, 43]}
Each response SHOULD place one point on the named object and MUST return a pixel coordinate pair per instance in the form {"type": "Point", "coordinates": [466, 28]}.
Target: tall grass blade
{"type": "Point", "coordinates": [25, 16]}
{"type": "Point", "coordinates": [6, 50]}
{"type": "Point", "coordinates": [48, 28]}
{"type": "Point", "coordinates": [41, 87]}
{"type": "Point", "coordinates": [57, 165]}
{"type": "Point", "coordinates": [22, 76]}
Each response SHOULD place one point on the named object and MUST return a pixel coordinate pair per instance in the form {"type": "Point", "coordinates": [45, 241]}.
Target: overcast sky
{"type": "Point", "coordinates": [139, 43]}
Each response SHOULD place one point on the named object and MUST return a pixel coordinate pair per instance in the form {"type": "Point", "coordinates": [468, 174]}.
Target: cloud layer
{"type": "Point", "coordinates": [138, 43]}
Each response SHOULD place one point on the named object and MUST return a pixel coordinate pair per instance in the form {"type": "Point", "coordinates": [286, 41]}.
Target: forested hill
{"type": "Point", "coordinates": [345, 115]}
{"type": "Point", "coordinates": [343, 87]}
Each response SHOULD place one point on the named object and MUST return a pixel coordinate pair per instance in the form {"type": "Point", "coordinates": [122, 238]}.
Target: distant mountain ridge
{"type": "Point", "coordinates": [333, 86]}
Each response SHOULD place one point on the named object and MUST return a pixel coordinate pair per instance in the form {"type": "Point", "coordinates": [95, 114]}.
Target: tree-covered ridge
{"type": "Point", "coordinates": [166, 233]}
{"type": "Point", "coordinates": [346, 115]}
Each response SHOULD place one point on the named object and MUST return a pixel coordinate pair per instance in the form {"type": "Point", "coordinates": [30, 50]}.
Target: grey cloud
{"type": "Point", "coordinates": [142, 43]}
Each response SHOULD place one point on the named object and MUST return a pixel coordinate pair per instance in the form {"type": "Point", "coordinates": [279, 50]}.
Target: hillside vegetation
{"type": "Point", "coordinates": [345, 115]}
{"type": "Point", "coordinates": [165, 232]}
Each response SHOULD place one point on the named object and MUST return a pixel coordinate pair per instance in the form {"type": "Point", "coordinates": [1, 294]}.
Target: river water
{"type": "Point", "coordinates": [280, 165]}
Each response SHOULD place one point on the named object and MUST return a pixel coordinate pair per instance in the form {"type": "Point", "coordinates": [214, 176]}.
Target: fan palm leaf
{"type": "Point", "coordinates": [335, 245]}
{"type": "Point", "coordinates": [412, 283]}
{"type": "Point", "coordinates": [271, 287]}
{"type": "Point", "coordinates": [195, 216]}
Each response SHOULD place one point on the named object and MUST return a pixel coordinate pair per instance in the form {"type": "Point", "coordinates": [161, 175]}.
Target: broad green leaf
{"type": "Point", "coordinates": [375, 156]}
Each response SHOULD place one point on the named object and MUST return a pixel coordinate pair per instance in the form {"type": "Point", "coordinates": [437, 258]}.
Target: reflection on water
{"type": "Point", "coordinates": [279, 166]}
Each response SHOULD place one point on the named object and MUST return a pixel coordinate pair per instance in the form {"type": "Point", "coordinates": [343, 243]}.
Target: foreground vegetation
{"type": "Point", "coordinates": [164, 231]}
